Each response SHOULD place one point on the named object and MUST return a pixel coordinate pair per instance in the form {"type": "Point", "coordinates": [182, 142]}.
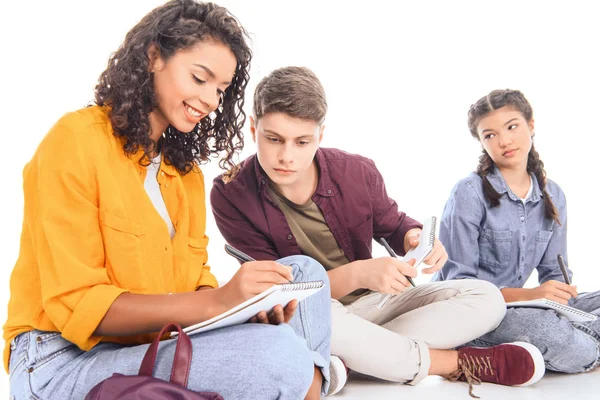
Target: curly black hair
{"type": "Point", "coordinates": [126, 86]}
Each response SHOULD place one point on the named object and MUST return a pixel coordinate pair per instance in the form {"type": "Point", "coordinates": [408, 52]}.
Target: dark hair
{"type": "Point", "coordinates": [126, 86]}
{"type": "Point", "coordinates": [495, 100]}
{"type": "Point", "coordinates": [295, 91]}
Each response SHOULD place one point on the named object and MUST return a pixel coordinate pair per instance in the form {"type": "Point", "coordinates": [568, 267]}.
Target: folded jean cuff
{"type": "Point", "coordinates": [323, 365]}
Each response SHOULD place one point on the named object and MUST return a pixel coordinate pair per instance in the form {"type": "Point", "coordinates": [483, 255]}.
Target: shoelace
{"type": "Point", "coordinates": [472, 367]}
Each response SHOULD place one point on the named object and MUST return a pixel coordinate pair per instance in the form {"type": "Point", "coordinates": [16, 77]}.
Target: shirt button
{"type": "Point", "coordinates": [162, 173]}
{"type": "Point", "coordinates": [520, 277]}
{"type": "Point", "coordinates": [522, 219]}
{"type": "Point", "coordinates": [13, 345]}
{"type": "Point", "coordinates": [289, 237]}
{"type": "Point", "coordinates": [263, 181]}
{"type": "Point", "coordinates": [329, 191]}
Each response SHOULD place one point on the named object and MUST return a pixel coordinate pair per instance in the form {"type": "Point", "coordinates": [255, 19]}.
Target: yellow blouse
{"type": "Point", "coordinates": [90, 232]}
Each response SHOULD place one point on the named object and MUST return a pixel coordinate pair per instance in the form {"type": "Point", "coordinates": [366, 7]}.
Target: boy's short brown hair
{"type": "Point", "coordinates": [295, 91]}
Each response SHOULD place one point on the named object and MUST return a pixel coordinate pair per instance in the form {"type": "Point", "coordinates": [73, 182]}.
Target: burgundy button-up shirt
{"type": "Point", "coordinates": [351, 195]}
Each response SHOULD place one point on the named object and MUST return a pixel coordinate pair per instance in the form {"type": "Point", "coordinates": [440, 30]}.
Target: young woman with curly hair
{"type": "Point", "coordinates": [113, 245]}
{"type": "Point", "coordinates": [507, 219]}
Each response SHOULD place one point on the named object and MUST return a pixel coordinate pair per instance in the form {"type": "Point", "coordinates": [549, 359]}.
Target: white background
{"type": "Point", "coordinates": [399, 81]}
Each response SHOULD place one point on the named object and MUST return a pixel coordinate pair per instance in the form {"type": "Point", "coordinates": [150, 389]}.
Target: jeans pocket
{"type": "Point", "coordinates": [18, 355]}
{"type": "Point", "coordinates": [48, 346]}
{"type": "Point", "coordinates": [495, 248]}
{"type": "Point", "coordinates": [49, 354]}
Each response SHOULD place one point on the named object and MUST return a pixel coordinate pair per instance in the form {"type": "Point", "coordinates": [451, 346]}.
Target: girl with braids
{"type": "Point", "coordinates": [113, 244]}
{"type": "Point", "coordinates": [507, 219]}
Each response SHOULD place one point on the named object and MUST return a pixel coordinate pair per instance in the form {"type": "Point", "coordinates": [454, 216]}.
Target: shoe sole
{"type": "Point", "coordinates": [538, 362]}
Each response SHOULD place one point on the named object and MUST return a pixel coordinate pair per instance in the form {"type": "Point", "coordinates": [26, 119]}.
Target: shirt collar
{"type": "Point", "coordinates": [168, 169]}
{"type": "Point", "coordinates": [500, 186]}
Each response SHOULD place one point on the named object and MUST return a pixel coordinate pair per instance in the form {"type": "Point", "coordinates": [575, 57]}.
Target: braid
{"type": "Point", "coordinates": [485, 166]}
{"type": "Point", "coordinates": [536, 167]}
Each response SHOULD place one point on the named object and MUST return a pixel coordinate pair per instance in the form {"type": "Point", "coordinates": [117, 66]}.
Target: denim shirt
{"type": "Point", "coordinates": [502, 244]}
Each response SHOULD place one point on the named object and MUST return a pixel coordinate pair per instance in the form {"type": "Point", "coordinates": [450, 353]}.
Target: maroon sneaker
{"type": "Point", "coordinates": [510, 364]}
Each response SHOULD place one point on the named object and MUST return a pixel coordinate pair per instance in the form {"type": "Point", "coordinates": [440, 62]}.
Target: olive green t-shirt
{"type": "Point", "coordinates": [314, 236]}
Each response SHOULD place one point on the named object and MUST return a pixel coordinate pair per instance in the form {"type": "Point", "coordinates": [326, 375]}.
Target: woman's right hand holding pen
{"type": "Point", "coordinates": [254, 278]}
{"type": "Point", "coordinates": [385, 274]}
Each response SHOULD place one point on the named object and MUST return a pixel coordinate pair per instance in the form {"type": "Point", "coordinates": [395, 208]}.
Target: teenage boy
{"type": "Point", "coordinates": [293, 197]}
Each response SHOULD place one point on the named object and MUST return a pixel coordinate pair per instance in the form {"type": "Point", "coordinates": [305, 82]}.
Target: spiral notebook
{"type": "Point", "coordinates": [265, 301]}
{"type": "Point", "coordinates": [425, 247]}
{"type": "Point", "coordinates": [419, 253]}
{"type": "Point", "coordinates": [572, 314]}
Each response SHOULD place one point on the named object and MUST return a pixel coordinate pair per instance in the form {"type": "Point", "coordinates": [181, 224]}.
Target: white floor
{"type": "Point", "coordinates": [552, 387]}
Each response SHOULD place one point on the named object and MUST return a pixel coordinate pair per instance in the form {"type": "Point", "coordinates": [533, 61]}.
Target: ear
{"type": "Point", "coordinates": [155, 61]}
{"type": "Point", "coordinates": [531, 125]}
{"type": "Point", "coordinates": [321, 133]}
{"type": "Point", "coordinates": [253, 128]}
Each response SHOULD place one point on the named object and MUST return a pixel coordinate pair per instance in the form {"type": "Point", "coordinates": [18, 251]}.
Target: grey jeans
{"type": "Point", "coordinates": [566, 346]}
{"type": "Point", "coordinates": [248, 361]}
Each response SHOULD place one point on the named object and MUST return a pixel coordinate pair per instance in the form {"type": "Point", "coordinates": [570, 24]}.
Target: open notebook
{"type": "Point", "coordinates": [572, 314]}
{"type": "Point", "coordinates": [265, 301]}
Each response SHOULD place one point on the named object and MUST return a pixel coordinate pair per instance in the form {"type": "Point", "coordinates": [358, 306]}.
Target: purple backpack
{"type": "Point", "coordinates": [145, 387]}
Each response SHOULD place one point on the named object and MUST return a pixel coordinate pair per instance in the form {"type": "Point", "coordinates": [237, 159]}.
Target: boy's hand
{"type": "Point", "coordinates": [386, 274]}
{"type": "Point", "coordinates": [436, 259]}
{"type": "Point", "coordinates": [438, 256]}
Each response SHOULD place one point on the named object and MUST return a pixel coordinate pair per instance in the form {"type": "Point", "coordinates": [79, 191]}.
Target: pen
{"type": "Point", "coordinates": [385, 244]}
{"type": "Point", "coordinates": [392, 253]}
{"type": "Point", "coordinates": [240, 255]}
{"type": "Point", "coordinates": [563, 268]}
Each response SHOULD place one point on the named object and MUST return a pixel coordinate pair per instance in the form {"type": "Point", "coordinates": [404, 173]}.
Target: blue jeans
{"type": "Point", "coordinates": [248, 361]}
{"type": "Point", "coordinates": [566, 346]}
